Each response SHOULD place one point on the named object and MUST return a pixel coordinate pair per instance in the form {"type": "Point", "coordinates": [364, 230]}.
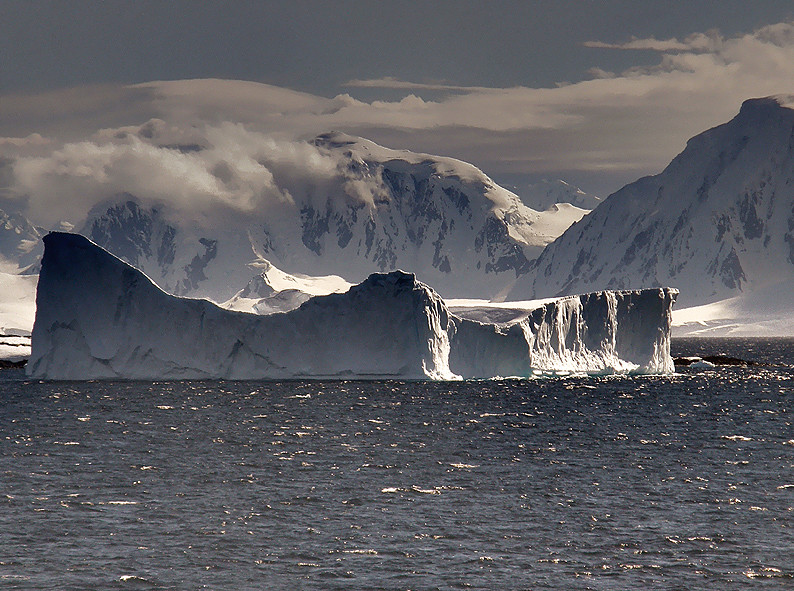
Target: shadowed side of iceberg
{"type": "Point", "coordinates": [97, 317]}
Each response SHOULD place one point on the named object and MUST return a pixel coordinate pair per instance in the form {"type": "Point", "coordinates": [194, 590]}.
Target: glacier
{"type": "Point", "coordinates": [99, 318]}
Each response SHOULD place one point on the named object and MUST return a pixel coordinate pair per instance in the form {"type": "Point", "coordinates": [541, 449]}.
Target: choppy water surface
{"type": "Point", "coordinates": [683, 482]}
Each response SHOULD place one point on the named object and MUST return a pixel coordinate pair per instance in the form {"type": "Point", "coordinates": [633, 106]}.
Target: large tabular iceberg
{"type": "Point", "coordinates": [97, 317]}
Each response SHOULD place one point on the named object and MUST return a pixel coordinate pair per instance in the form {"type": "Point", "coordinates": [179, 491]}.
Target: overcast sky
{"type": "Point", "coordinates": [597, 92]}
{"type": "Point", "coordinates": [317, 46]}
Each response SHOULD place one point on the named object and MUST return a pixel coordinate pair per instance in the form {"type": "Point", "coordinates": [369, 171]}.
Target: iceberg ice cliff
{"type": "Point", "coordinates": [602, 332]}
{"type": "Point", "coordinates": [98, 317]}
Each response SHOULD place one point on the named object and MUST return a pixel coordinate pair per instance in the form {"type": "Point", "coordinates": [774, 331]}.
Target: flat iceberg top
{"type": "Point", "coordinates": [99, 318]}
{"type": "Point", "coordinates": [515, 311]}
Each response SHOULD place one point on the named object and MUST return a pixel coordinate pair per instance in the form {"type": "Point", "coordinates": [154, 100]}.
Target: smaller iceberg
{"type": "Point", "coordinates": [99, 318]}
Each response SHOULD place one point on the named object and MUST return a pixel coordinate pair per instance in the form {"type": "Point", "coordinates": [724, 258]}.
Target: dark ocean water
{"type": "Point", "coordinates": [680, 482]}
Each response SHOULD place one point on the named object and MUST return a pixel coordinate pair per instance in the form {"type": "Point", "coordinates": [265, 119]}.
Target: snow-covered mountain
{"type": "Point", "coordinates": [547, 193]}
{"type": "Point", "coordinates": [717, 222]}
{"type": "Point", "coordinates": [273, 290]}
{"type": "Point", "coordinates": [20, 244]}
{"type": "Point", "coordinates": [175, 254]}
{"type": "Point", "coordinates": [377, 210]}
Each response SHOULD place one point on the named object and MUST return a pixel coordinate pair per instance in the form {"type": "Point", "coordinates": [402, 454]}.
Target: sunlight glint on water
{"type": "Point", "coordinates": [586, 483]}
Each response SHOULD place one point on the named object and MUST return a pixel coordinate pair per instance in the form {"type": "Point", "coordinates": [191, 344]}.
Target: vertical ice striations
{"type": "Point", "coordinates": [604, 331]}
{"type": "Point", "coordinates": [601, 332]}
{"type": "Point", "coordinates": [98, 317]}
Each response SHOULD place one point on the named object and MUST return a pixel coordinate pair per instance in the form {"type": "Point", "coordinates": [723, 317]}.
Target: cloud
{"type": "Point", "coordinates": [626, 123]}
{"type": "Point", "coordinates": [698, 42]}
{"type": "Point", "coordinates": [242, 145]}
{"type": "Point", "coordinates": [34, 139]}
{"type": "Point", "coordinates": [230, 171]}
{"type": "Point", "coordinates": [394, 83]}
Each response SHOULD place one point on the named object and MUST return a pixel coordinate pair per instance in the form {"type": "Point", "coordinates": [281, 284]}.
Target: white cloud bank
{"type": "Point", "coordinates": [227, 171]}
{"type": "Point", "coordinates": [634, 120]}
{"type": "Point", "coordinates": [699, 42]}
{"type": "Point", "coordinates": [68, 149]}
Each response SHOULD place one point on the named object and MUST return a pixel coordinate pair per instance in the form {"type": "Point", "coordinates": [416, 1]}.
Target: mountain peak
{"type": "Point", "coordinates": [767, 104]}
{"type": "Point", "coordinates": [335, 139]}
{"type": "Point", "coordinates": [759, 113]}
{"type": "Point", "coordinates": [717, 222]}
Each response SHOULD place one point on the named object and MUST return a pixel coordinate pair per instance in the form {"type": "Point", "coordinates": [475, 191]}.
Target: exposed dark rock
{"type": "Point", "coordinates": [6, 364]}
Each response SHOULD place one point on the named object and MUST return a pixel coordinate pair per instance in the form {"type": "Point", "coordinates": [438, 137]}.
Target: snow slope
{"type": "Point", "coordinates": [766, 311]}
{"type": "Point", "coordinates": [543, 195]}
{"type": "Point", "coordinates": [273, 290]}
{"type": "Point", "coordinates": [716, 223]}
{"type": "Point", "coordinates": [17, 303]}
{"type": "Point", "coordinates": [17, 310]}
{"type": "Point", "coordinates": [20, 244]}
{"type": "Point", "coordinates": [98, 317]}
